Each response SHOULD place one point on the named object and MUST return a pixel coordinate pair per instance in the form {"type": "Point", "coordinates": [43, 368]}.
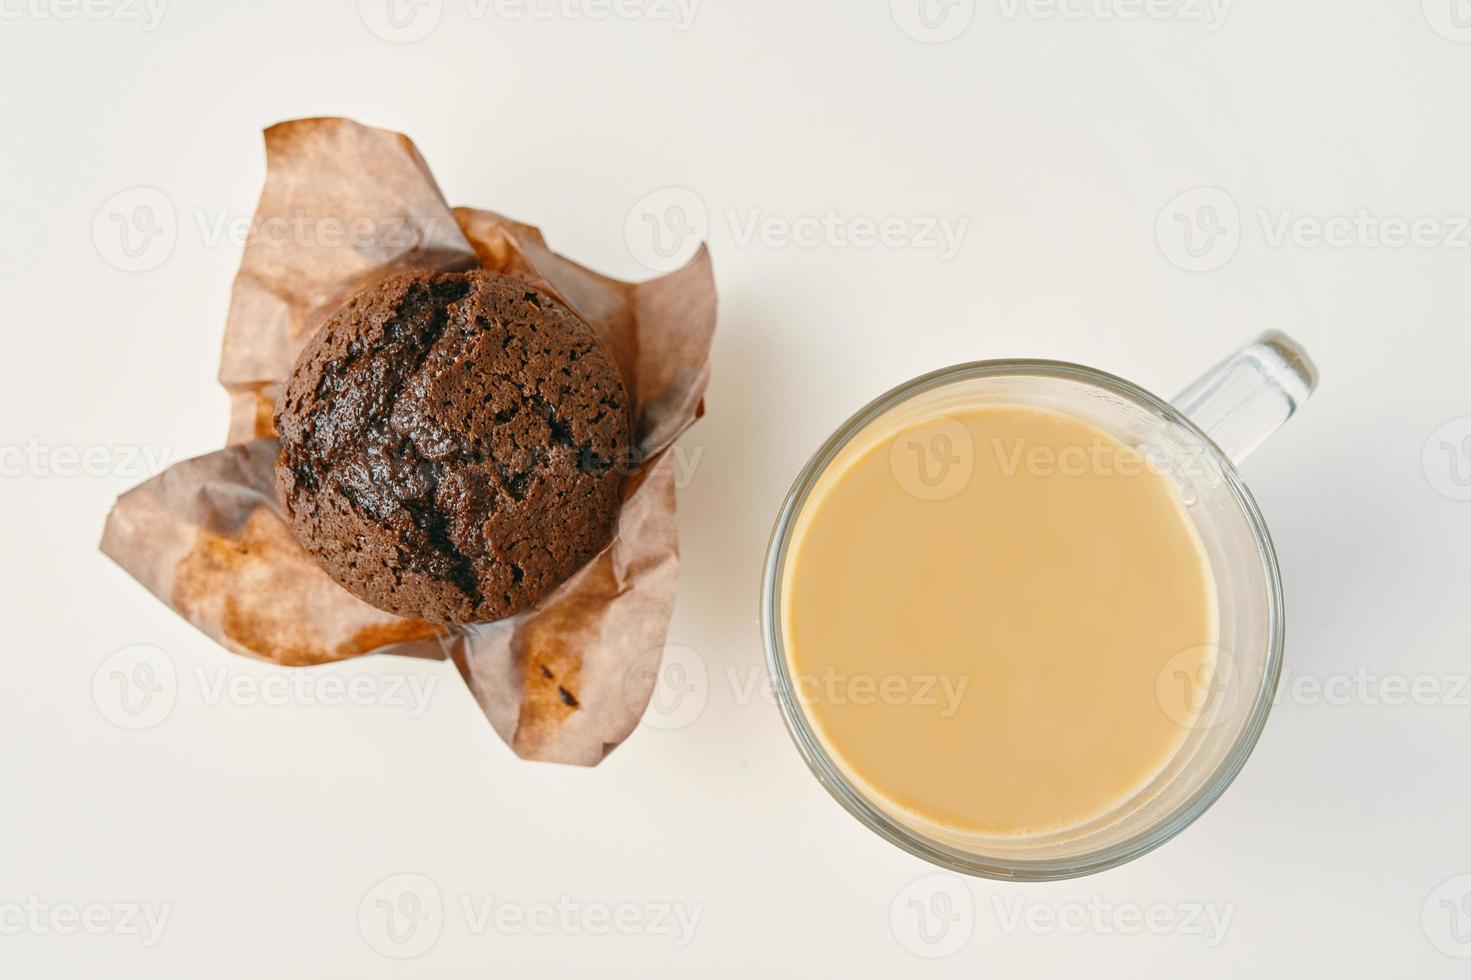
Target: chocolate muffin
{"type": "Point", "coordinates": [453, 445]}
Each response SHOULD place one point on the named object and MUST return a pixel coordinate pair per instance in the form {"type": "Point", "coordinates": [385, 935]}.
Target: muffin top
{"type": "Point", "coordinates": [453, 445]}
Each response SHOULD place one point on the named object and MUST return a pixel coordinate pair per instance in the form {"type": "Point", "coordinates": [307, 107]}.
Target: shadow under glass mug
{"type": "Point", "coordinates": [1196, 442]}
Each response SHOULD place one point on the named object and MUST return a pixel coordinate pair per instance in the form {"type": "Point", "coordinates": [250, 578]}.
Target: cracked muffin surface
{"type": "Point", "coordinates": [453, 445]}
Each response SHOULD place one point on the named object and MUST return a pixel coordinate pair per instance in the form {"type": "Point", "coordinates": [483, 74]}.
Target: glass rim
{"type": "Point", "coordinates": [911, 840]}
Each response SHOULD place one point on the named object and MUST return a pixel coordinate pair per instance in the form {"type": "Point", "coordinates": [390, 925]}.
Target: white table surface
{"type": "Point", "coordinates": [255, 828]}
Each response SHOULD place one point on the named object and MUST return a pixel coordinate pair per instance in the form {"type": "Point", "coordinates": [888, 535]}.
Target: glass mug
{"type": "Point", "coordinates": [1196, 440]}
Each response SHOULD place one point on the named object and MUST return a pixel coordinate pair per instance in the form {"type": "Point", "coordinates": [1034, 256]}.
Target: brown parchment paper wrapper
{"type": "Point", "coordinates": [344, 204]}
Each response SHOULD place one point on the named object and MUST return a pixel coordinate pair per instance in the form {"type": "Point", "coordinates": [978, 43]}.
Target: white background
{"type": "Point", "coordinates": [263, 828]}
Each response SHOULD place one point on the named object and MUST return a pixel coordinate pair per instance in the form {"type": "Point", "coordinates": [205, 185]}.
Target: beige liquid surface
{"type": "Point", "coordinates": [983, 611]}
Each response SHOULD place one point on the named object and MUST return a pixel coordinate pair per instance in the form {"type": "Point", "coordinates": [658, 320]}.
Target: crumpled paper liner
{"type": "Point", "coordinates": [344, 204]}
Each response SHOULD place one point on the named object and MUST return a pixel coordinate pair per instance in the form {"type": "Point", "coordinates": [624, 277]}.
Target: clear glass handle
{"type": "Point", "coordinates": [1247, 397]}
